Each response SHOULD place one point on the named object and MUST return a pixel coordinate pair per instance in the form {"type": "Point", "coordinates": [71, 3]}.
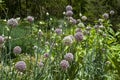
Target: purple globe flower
{"type": "Point", "coordinates": [106, 15]}
{"type": "Point", "coordinates": [69, 8]}
{"type": "Point", "coordinates": [69, 57]}
{"type": "Point", "coordinates": [12, 22]}
{"type": "Point", "coordinates": [79, 36]}
{"type": "Point", "coordinates": [30, 18]}
{"type": "Point", "coordinates": [64, 64]}
{"type": "Point", "coordinates": [20, 66]}
{"type": "Point", "coordinates": [58, 31]}
{"type": "Point", "coordinates": [69, 13]}
{"type": "Point", "coordinates": [17, 50]}
{"type": "Point", "coordinates": [1, 40]}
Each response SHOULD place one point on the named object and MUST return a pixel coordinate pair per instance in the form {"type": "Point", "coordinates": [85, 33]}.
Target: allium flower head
{"type": "Point", "coordinates": [68, 8]}
{"type": "Point", "coordinates": [81, 25]}
{"type": "Point", "coordinates": [30, 18]}
{"type": "Point", "coordinates": [69, 13]}
{"type": "Point", "coordinates": [20, 66]}
{"type": "Point", "coordinates": [12, 22]}
{"type": "Point", "coordinates": [58, 31]}
{"type": "Point", "coordinates": [64, 64]}
{"type": "Point", "coordinates": [46, 55]}
{"type": "Point", "coordinates": [73, 21]}
{"type": "Point", "coordinates": [79, 36]}
{"type": "Point", "coordinates": [84, 18]}
{"type": "Point", "coordinates": [1, 40]}
{"type": "Point", "coordinates": [69, 57]}
{"type": "Point", "coordinates": [112, 12]}
{"type": "Point", "coordinates": [68, 40]}
{"type": "Point", "coordinates": [106, 15]}
{"type": "Point", "coordinates": [17, 50]}
{"type": "Point", "coordinates": [41, 64]}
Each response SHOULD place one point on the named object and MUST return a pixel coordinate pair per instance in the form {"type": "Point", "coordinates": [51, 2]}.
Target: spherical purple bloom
{"type": "Point", "coordinates": [106, 15]}
{"type": "Point", "coordinates": [69, 13]}
{"type": "Point", "coordinates": [12, 22]}
{"type": "Point", "coordinates": [20, 66]}
{"type": "Point", "coordinates": [1, 40]}
{"type": "Point", "coordinates": [79, 36]}
{"type": "Point", "coordinates": [112, 12]}
{"type": "Point", "coordinates": [69, 8]}
{"type": "Point", "coordinates": [30, 18]}
{"type": "Point", "coordinates": [64, 64]}
{"type": "Point", "coordinates": [17, 50]}
{"type": "Point", "coordinates": [58, 31]}
{"type": "Point", "coordinates": [69, 57]}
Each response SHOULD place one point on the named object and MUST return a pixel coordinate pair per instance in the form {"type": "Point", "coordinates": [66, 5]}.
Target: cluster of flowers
{"type": "Point", "coordinates": [65, 63]}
